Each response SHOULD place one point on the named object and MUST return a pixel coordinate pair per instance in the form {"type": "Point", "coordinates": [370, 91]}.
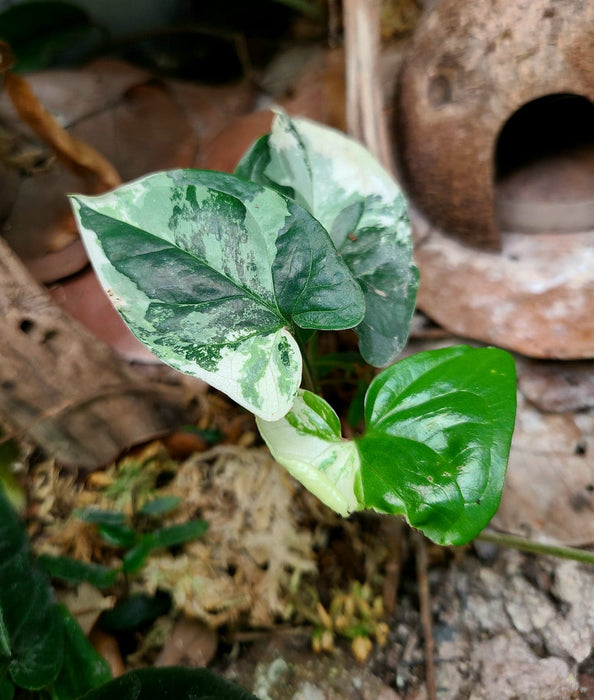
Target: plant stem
{"type": "Point", "coordinates": [309, 381]}
{"type": "Point", "coordinates": [308, 352]}
{"type": "Point", "coordinates": [526, 545]}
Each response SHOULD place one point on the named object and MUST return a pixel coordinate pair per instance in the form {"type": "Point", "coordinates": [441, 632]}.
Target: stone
{"type": "Point", "coordinates": [511, 671]}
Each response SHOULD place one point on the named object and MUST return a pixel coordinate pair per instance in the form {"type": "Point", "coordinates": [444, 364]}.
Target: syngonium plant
{"type": "Point", "coordinates": [230, 277]}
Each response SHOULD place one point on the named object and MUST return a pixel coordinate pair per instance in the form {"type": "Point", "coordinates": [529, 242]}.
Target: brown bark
{"type": "Point", "coordinates": [65, 390]}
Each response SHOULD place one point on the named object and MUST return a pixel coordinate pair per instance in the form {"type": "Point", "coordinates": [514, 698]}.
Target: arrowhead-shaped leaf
{"type": "Point", "coordinates": [365, 212]}
{"type": "Point", "coordinates": [435, 449]}
{"type": "Point", "coordinates": [215, 274]}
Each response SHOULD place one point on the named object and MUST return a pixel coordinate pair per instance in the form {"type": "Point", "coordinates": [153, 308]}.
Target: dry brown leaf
{"type": "Point", "coordinates": [191, 643]}
{"type": "Point", "coordinates": [86, 603]}
{"type": "Point", "coordinates": [76, 155]}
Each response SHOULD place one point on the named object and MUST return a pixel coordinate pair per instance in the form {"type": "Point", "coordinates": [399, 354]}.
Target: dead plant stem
{"type": "Point", "coordinates": [425, 610]}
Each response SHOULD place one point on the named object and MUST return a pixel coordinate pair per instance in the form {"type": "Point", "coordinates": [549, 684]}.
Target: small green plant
{"type": "Point", "coordinates": [44, 654]}
{"type": "Point", "coordinates": [42, 648]}
{"type": "Point", "coordinates": [137, 536]}
{"type": "Point", "coordinates": [231, 278]}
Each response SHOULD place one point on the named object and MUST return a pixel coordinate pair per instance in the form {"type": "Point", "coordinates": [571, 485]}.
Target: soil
{"type": "Point", "coordinates": [507, 625]}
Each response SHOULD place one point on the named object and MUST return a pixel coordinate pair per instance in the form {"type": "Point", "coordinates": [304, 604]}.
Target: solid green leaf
{"type": "Point", "coordinates": [449, 416]}
{"type": "Point", "coordinates": [170, 684]}
{"type": "Point", "coordinates": [364, 210]}
{"type": "Point", "coordinates": [74, 571]}
{"type": "Point", "coordinates": [6, 685]}
{"type": "Point", "coordinates": [97, 516]}
{"type": "Point", "coordinates": [133, 612]}
{"type": "Point", "coordinates": [83, 669]}
{"type": "Point", "coordinates": [435, 449]}
{"type": "Point", "coordinates": [215, 274]}
{"type": "Point", "coordinates": [160, 505]}
{"type": "Point", "coordinates": [178, 534]}
{"type": "Point", "coordinates": [136, 556]}
{"type": "Point", "coordinates": [163, 537]}
{"type": "Point", "coordinates": [30, 614]}
{"type": "Point", "coordinates": [118, 535]}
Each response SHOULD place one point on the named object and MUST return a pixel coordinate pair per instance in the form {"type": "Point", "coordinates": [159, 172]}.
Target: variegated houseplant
{"type": "Point", "coordinates": [230, 278]}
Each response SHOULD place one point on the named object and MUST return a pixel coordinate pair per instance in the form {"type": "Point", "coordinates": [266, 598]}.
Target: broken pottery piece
{"type": "Point", "coordinates": [557, 387]}
{"type": "Point", "coordinates": [535, 296]}
{"type": "Point", "coordinates": [549, 489]}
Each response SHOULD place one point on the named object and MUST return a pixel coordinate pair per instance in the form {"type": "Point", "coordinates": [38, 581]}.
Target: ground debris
{"type": "Point", "coordinates": [254, 553]}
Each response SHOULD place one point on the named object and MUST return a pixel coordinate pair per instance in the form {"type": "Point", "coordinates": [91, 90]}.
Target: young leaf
{"type": "Point", "coordinates": [160, 506]}
{"type": "Point", "coordinates": [75, 571]}
{"type": "Point", "coordinates": [98, 516]}
{"type": "Point", "coordinates": [179, 683]}
{"type": "Point", "coordinates": [133, 612]}
{"type": "Point", "coordinates": [435, 449]}
{"type": "Point", "coordinates": [214, 274]}
{"type": "Point", "coordinates": [360, 204]}
{"type": "Point", "coordinates": [163, 537]}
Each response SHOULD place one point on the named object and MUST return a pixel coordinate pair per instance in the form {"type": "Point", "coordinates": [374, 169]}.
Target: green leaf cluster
{"type": "Point", "coordinates": [115, 529]}
{"type": "Point", "coordinates": [42, 647]}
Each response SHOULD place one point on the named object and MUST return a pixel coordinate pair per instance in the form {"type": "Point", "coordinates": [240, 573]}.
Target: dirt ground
{"type": "Point", "coordinates": [506, 625]}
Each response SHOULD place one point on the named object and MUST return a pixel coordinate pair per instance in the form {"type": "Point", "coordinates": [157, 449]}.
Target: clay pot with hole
{"type": "Point", "coordinates": [494, 131]}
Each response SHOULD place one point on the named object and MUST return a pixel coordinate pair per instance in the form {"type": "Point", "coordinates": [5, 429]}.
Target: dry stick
{"type": "Point", "coordinates": [425, 605]}
{"type": "Point", "coordinates": [364, 109]}
{"type": "Point", "coordinates": [76, 155]}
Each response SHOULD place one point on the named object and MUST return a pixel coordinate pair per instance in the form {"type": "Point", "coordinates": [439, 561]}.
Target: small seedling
{"type": "Point", "coordinates": [120, 532]}
{"type": "Point", "coordinates": [232, 278]}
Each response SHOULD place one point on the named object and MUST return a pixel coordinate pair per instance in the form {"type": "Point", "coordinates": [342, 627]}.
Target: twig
{"type": "Point", "coordinates": [78, 156]}
{"type": "Point", "coordinates": [392, 531]}
{"type": "Point", "coordinates": [365, 114]}
{"type": "Point", "coordinates": [425, 609]}
{"type": "Point", "coordinates": [523, 543]}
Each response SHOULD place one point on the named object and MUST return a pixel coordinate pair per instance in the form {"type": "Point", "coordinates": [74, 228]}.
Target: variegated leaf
{"type": "Point", "coordinates": [435, 447]}
{"type": "Point", "coordinates": [308, 443]}
{"type": "Point", "coordinates": [214, 275]}
{"type": "Point", "coordinates": [364, 210]}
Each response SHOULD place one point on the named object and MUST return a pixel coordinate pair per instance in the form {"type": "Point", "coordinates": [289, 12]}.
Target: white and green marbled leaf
{"type": "Point", "coordinates": [308, 443]}
{"type": "Point", "coordinates": [435, 447]}
{"type": "Point", "coordinates": [363, 209]}
{"type": "Point", "coordinates": [213, 274]}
